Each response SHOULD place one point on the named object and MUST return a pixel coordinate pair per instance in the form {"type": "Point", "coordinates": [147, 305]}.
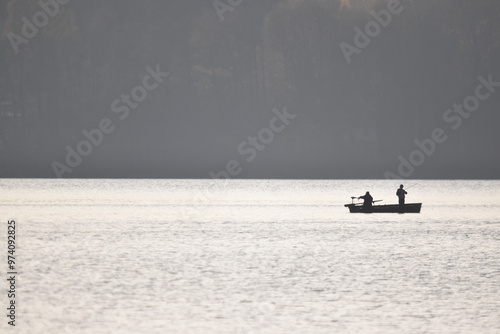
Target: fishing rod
{"type": "Point", "coordinates": [355, 197]}
{"type": "Point", "coordinates": [411, 186]}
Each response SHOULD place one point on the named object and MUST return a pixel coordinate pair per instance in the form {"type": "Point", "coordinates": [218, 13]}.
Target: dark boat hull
{"type": "Point", "coordinates": [389, 208]}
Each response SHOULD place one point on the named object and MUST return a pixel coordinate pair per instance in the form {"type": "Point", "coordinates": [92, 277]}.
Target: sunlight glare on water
{"type": "Point", "coordinates": [253, 256]}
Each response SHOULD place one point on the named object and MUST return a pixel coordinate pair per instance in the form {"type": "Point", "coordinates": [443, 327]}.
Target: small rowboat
{"type": "Point", "coordinates": [388, 208]}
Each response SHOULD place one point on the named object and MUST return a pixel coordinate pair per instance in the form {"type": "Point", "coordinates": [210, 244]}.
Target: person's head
{"type": "Point", "coordinates": [367, 193]}
{"type": "Point", "coordinates": [401, 186]}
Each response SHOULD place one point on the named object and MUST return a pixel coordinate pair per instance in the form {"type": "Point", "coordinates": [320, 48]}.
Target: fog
{"type": "Point", "coordinates": [250, 89]}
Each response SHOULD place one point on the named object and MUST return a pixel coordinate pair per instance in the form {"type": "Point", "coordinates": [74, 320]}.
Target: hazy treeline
{"type": "Point", "coordinates": [229, 69]}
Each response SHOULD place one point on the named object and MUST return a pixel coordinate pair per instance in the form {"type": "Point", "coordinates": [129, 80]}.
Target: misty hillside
{"type": "Point", "coordinates": [255, 89]}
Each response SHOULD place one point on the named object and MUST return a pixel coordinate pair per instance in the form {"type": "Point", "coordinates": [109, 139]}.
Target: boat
{"type": "Point", "coordinates": [387, 208]}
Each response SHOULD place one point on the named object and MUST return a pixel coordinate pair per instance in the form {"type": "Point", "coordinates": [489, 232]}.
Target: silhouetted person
{"type": "Point", "coordinates": [368, 201]}
{"type": "Point", "coordinates": [401, 195]}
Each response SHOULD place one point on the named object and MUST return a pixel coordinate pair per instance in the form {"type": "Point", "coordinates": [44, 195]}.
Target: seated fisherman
{"type": "Point", "coordinates": [368, 201]}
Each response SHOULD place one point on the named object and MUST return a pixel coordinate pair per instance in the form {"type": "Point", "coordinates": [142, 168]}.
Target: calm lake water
{"type": "Point", "coordinates": [251, 256]}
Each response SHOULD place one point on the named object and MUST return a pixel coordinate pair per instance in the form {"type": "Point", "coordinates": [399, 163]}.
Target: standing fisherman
{"type": "Point", "coordinates": [401, 195]}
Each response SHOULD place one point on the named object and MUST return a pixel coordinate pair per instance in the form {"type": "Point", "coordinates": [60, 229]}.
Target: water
{"type": "Point", "coordinates": [192, 256]}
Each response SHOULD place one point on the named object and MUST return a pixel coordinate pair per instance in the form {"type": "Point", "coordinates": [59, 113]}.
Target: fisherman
{"type": "Point", "coordinates": [401, 195]}
{"type": "Point", "coordinates": [368, 201]}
